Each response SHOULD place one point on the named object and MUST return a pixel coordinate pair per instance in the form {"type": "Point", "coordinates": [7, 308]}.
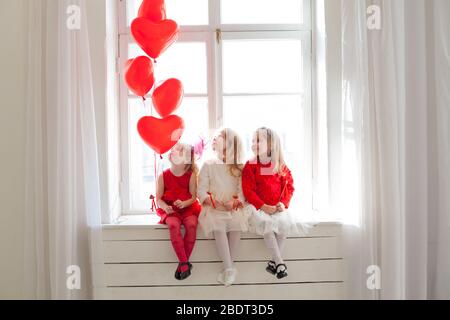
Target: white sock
{"type": "Point", "coordinates": [281, 239]}
{"type": "Point", "coordinates": [234, 238]}
{"type": "Point", "coordinates": [223, 249]}
{"type": "Point", "coordinates": [272, 244]}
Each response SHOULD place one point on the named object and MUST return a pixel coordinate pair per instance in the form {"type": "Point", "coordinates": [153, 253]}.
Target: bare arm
{"type": "Point", "coordinates": [192, 190]}
{"type": "Point", "coordinates": [159, 194]}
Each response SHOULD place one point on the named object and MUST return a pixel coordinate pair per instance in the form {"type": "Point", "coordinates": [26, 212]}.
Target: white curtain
{"type": "Point", "coordinates": [395, 147]}
{"type": "Point", "coordinates": [63, 214]}
{"type": "Point", "coordinates": [442, 120]}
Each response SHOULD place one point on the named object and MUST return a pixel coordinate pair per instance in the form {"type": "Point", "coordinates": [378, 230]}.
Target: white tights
{"type": "Point", "coordinates": [275, 242]}
{"type": "Point", "coordinates": [227, 246]}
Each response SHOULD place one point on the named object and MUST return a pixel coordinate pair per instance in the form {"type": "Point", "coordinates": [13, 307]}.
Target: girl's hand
{"type": "Point", "coordinates": [237, 204]}
{"type": "Point", "coordinates": [281, 207]}
{"type": "Point", "coordinates": [168, 209]}
{"type": "Point", "coordinates": [233, 205]}
{"type": "Point", "coordinates": [221, 206]}
{"type": "Point", "coordinates": [270, 210]}
{"type": "Point", "coordinates": [180, 204]}
{"type": "Point", "coordinates": [229, 205]}
{"type": "Point", "coordinates": [207, 202]}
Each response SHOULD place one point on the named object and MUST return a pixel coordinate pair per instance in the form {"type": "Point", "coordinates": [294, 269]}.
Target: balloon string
{"type": "Point", "coordinates": [156, 178]}
{"type": "Point", "coordinates": [155, 163]}
{"type": "Point", "coordinates": [143, 104]}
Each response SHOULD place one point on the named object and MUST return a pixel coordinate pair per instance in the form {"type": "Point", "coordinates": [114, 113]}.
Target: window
{"type": "Point", "coordinates": [244, 64]}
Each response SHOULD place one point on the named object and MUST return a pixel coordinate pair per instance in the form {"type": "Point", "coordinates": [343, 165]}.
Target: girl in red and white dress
{"type": "Point", "coordinates": [225, 213]}
{"type": "Point", "coordinates": [176, 197]}
{"type": "Point", "coordinates": [268, 186]}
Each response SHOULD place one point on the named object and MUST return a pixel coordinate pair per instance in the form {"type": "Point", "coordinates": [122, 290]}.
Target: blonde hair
{"type": "Point", "coordinates": [233, 151]}
{"type": "Point", "coordinates": [274, 150]}
{"type": "Point", "coordinates": [190, 162]}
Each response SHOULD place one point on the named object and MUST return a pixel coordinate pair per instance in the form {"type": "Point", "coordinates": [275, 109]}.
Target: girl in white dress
{"type": "Point", "coordinates": [224, 214]}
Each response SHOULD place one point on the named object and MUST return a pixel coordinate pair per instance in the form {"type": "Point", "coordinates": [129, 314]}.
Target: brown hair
{"type": "Point", "coordinates": [192, 166]}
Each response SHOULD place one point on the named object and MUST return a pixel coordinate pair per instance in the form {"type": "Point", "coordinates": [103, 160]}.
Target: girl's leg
{"type": "Point", "coordinates": [190, 236]}
{"type": "Point", "coordinates": [281, 239]}
{"type": "Point", "coordinates": [272, 245]}
{"type": "Point", "coordinates": [176, 238]}
{"type": "Point", "coordinates": [234, 238]}
{"type": "Point", "coordinates": [223, 249]}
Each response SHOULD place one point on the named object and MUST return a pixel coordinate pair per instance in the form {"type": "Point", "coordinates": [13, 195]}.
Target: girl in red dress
{"type": "Point", "coordinates": [268, 186]}
{"type": "Point", "coordinates": [176, 197]}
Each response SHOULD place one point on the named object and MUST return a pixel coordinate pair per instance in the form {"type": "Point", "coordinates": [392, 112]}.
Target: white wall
{"type": "Point", "coordinates": [12, 146]}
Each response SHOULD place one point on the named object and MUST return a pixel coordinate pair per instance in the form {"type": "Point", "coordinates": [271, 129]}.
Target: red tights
{"type": "Point", "coordinates": [183, 247]}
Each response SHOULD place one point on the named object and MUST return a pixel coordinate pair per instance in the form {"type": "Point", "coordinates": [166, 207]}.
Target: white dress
{"type": "Point", "coordinates": [272, 187]}
{"type": "Point", "coordinates": [282, 223]}
{"type": "Point", "coordinates": [215, 178]}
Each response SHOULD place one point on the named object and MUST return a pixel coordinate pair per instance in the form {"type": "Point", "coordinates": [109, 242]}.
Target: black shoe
{"type": "Point", "coordinates": [177, 273]}
{"type": "Point", "coordinates": [185, 274]}
{"type": "Point", "coordinates": [282, 272]}
{"type": "Point", "coordinates": [191, 267]}
{"type": "Point", "coordinates": [271, 267]}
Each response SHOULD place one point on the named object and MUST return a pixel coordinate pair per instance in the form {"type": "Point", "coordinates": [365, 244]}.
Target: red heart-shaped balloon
{"type": "Point", "coordinates": [161, 134]}
{"type": "Point", "coordinates": [167, 97]}
{"type": "Point", "coordinates": [139, 76]}
{"type": "Point", "coordinates": [154, 10]}
{"type": "Point", "coordinates": [154, 38]}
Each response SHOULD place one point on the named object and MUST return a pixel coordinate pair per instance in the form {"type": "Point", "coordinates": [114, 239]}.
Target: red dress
{"type": "Point", "coordinates": [177, 188]}
{"type": "Point", "coordinates": [260, 188]}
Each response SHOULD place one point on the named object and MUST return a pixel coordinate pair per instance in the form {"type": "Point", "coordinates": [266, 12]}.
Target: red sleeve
{"type": "Point", "coordinates": [288, 181]}
{"type": "Point", "coordinates": [249, 187]}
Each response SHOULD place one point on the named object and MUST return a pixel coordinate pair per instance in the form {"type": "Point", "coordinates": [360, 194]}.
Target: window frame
{"type": "Point", "coordinates": [208, 34]}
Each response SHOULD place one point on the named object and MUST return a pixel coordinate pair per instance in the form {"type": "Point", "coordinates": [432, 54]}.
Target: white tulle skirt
{"type": "Point", "coordinates": [212, 220]}
{"type": "Point", "coordinates": [282, 223]}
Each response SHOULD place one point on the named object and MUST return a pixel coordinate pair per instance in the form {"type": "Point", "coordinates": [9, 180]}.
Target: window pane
{"type": "Point", "coordinates": [262, 11]}
{"type": "Point", "coordinates": [262, 66]}
{"type": "Point", "coordinates": [184, 12]}
{"type": "Point", "coordinates": [281, 113]}
{"type": "Point", "coordinates": [132, 10]}
{"type": "Point", "coordinates": [194, 111]}
{"type": "Point", "coordinates": [141, 160]}
{"type": "Point", "coordinates": [185, 61]}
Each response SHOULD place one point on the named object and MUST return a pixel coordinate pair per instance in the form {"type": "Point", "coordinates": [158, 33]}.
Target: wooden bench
{"type": "Point", "coordinates": [140, 262]}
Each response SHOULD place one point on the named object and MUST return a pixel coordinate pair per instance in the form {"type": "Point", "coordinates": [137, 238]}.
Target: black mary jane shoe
{"type": "Point", "coordinates": [177, 273]}
{"type": "Point", "coordinates": [185, 274]}
{"type": "Point", "coordinates": [271, 267]}
{"type": "Point", "coordinates": [281, 271]}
